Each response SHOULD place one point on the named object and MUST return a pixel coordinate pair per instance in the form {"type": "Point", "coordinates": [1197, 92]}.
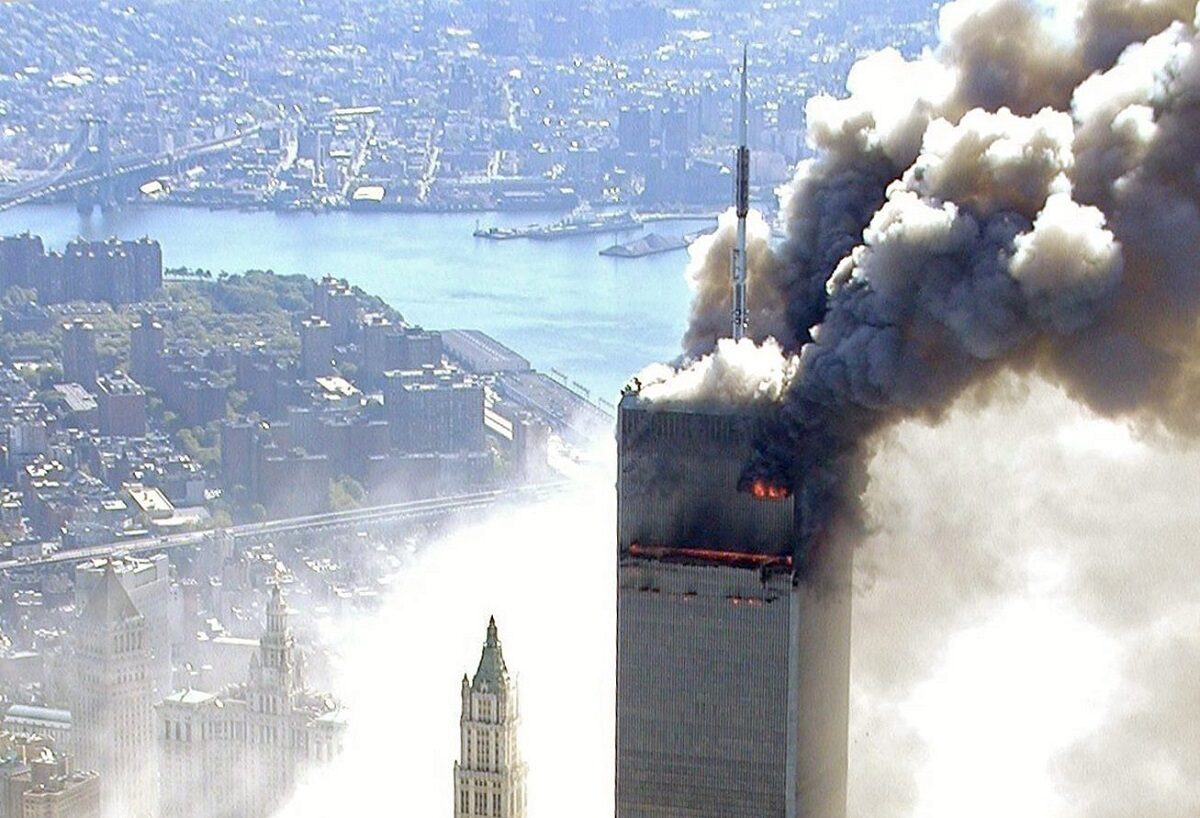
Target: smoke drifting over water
{"type": "Point", "coordinates": [1018, 199]}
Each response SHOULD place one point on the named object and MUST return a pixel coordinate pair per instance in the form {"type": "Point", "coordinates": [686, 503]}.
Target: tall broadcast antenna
{"type": "Point", "coordinates": [741, 201]}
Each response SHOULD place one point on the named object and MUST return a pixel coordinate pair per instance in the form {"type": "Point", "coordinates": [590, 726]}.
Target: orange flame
{"type": "Point", "coordinates": [763, 490]}
{"type": "Point", "coordinates": [730, 557]}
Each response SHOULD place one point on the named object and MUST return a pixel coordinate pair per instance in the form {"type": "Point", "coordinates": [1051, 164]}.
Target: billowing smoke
{"type": "Point", "coordinates": [1026, 618]}
{"type": "Point", "coordinates": [1016, 209]}
{"type": "Point", "coordinates": [707, 323]}
{"type": "Point", "coordinates": [1022, 198]}
{"type": "Point", "coordinates": [736, 373]}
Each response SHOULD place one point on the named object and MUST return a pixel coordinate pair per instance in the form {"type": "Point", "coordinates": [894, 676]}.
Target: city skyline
{"type": "Point", "coordinates": [332, 330]}
{"type": "Point", "coordinates": [586, 118]}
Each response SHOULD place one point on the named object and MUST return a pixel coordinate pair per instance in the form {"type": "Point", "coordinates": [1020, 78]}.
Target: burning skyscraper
{"type": "Point", "coordinates": [1018, 202]}
{"type": "Point", "coordinates": [732, 633]}
{"type": "Point", "coordinates": [733, 627]}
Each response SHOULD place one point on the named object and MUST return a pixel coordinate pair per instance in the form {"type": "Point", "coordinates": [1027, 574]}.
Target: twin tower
{"type": "Point", "coordinates": [733, 634]}
{"type": "Point", "coordinates": [733, 631]}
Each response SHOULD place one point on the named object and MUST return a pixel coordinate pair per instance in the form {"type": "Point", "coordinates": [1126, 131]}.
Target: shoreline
{"type": "Point", "coordinates": [645, 217]}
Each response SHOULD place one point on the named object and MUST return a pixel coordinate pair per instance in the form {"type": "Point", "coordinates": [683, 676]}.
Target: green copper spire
{"type": "Point", "coordinates": [491, 675]}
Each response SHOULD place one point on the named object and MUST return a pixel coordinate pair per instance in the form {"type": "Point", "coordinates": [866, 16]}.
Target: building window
{"type": "Point", "coordinates": [464, 802]}
{"type": "Point", "coordinates": [496, 804]}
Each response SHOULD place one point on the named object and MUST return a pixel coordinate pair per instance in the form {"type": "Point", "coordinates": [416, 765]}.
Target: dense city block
{"type": "Point", "coordinates": [517, 104]}
{"type": "Point", "coordinates": [177, 448]}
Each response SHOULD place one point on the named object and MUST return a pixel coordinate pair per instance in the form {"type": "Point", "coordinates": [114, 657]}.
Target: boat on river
{"type": "Point", "coordinates": [582, 221]}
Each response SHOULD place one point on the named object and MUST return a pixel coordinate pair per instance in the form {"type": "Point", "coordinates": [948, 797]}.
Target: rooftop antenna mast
{"type": "Point", "coordinates": [741, 202]}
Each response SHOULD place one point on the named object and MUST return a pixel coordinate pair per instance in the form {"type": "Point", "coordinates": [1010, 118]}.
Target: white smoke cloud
{"type": "Point", "coordinates": [736, 373]}
{"type": "Point", "coordinates": [1142, 74]}
{"type": "Point", "coordinates": [890, 103]}
{"type": "Point", "coordinates": [898, 242]}
{"type": "Point", "coordinates": [995, 161]}
{"type": "Point", "coordinates": [1025, 622]}
{"type": "Point", "coordinates": [1117, 110]}
{"type": "Point", "coordinates": [1067, 264]}
{"type": "Point", "coordinates": [547, 573]}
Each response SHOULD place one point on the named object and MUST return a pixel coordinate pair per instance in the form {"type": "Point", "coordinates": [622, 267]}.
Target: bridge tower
{"type": "Point", "coordinates": [97, 158]}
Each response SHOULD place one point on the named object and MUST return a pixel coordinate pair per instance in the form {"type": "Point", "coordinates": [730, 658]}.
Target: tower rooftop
{"type": "Point", "coordinates": [109, 601]}
{"type": "Point", "coordinates": [492, 674]}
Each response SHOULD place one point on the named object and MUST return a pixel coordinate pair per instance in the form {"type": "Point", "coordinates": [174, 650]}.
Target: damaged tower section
{"type": "Point", "coordinates": [732, 635]}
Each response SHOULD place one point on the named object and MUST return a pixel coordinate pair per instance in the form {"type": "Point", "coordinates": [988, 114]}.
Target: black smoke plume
{"type": "Point", "coordinates": [1023, 198]}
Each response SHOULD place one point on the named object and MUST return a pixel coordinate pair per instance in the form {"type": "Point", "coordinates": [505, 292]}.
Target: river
{"type": "Point", "coordinates": [558, 303]}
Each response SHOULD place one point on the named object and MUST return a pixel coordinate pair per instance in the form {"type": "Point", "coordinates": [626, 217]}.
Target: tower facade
{"type": "Point", "coordinates": [732, 635]}
{"type": "Point", "coordinates": [316, 347]}
{"type": "Point", "coordinates": [112, 711]}
{"type": "Point", "coordinates": [147, 581]}
{"type": "Point", "coordinates": [147, 339]}
{"type": "Point", "coordinates": [79, 361]}
{"type": "Point", "coordinates": [489, 777]}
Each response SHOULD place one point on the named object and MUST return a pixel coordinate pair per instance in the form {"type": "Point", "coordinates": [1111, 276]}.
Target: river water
{"type": "Point", "coordinates": [558, 303]}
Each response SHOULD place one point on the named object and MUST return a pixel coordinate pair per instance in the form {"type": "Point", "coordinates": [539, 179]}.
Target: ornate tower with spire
{"type": "Point", "coordinates": [277, 670]}
{"type": "Point", "coordinates": [489, 778]}
{"type": "Point", "coordinates": [247, 746]}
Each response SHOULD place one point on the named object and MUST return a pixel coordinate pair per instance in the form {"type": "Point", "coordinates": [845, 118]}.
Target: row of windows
{"type": "Point", "coordinates": [680, 426]}
{"type": "Point", "coordinates": [479, 805]}
{"type": "Point", "coordinates": [484, 750]}
{"type": "Point", "coordinates": [127, 642]}
{"type": "Point", "coordinates": [260, 734]}
{"type": "Point", "coordinates": [182, 731]}
{"type": "Point", "coordinates": [268, 704]}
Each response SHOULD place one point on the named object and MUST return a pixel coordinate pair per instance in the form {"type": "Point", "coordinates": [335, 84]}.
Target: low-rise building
{"type": "Point", "coordinates": [148, 501]}
{"type": "Point", "coordinates": [82, 410]}
{"type": "Point", "coordinates": [38, 781]}
{"type": "Point", "coordinates": [53, 723]}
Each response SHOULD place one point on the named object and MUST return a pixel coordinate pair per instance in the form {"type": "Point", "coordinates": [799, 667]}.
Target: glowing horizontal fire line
{"type": "Point", "coordinates": [708, 555]}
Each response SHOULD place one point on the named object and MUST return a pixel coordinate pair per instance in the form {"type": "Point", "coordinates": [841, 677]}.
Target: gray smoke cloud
{"type": "Point", "coordinates": [1018, 204]}
{"type": "Point", "coordinates": [707, 323]}
{"type": "Point", "coordinates": [1019, 198]}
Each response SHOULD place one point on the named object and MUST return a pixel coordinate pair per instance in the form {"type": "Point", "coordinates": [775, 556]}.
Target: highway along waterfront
{"type": "Point", "coordinates": [558, 303]}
